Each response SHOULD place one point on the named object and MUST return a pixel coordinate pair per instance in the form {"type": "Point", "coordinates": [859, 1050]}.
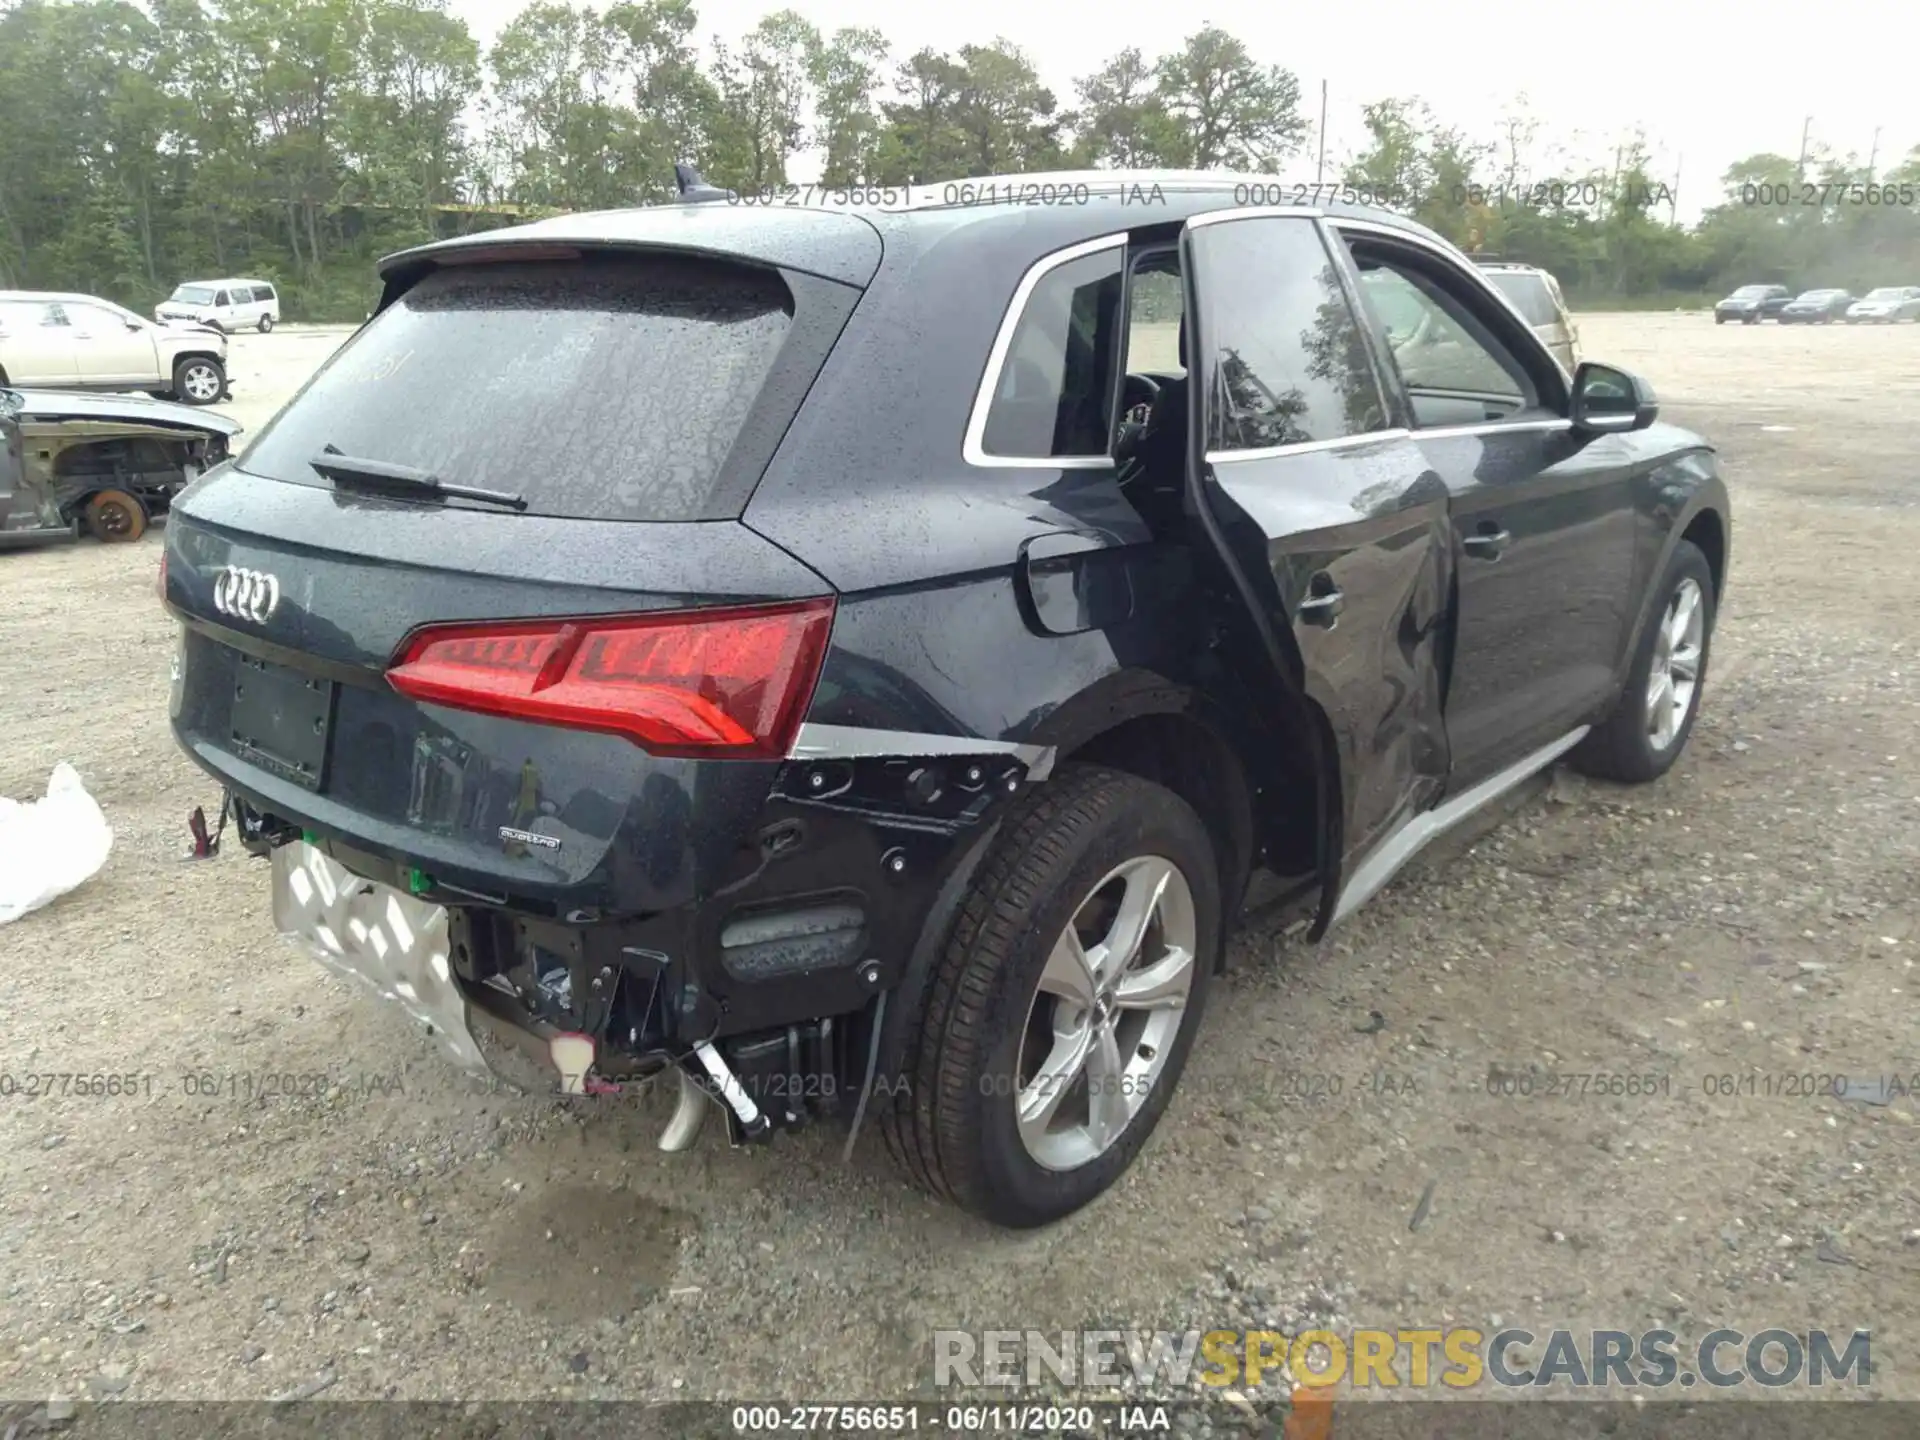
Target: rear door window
{"type": "Point", "coordinates": [1286, 360]}
{"type": "Point", "coordinates": [611, 388]}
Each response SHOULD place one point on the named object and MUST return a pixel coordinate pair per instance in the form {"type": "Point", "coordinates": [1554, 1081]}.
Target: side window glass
{"type": "Point", "coordinates": [1055, 385]}
{"type": "Point", "coordinates": [1286, 360]}
{"type": "Point", "coordinates": [221, 299]}
{"type": "Point", "coordinates": [1436, 342]}
{"type": "Point", "coordinates": [54, 315]}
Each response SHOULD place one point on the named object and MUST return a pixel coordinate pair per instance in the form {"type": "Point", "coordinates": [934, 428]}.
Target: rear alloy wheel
{"type": "Point", "coordinates": [1060, 1014]}
{"type": "Point", "coordinates": [1107, 1011]}
{"type": "Point", "coordinates": [116, 517]}
{"type": "Point", "coordinates": [1649, 728]}
{"type": "Point", "coordinates": [199, 380]}
{"type": "Point", "coordinates": [266, 323]}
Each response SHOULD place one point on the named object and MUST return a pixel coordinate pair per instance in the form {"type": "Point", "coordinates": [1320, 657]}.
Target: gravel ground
{"type": "Point", "coordinates": [407, 1234]}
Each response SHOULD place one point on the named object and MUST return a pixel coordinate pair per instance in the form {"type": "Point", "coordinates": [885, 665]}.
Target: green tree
{"type": "Point", "coordinates": [1122, 120]}
{"type": "Point", "coordinates": [763, 91]}
{"type": "Point", "coordinates": [1230, 111]}
{"type": "Point", "coordinates": [845, 70]}
{"type": "Point", "coordinates": [920, 140]}
{"type": "Point", "coordinates": [674, 100]}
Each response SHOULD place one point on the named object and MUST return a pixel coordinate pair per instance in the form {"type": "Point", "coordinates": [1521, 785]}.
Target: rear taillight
{"type": "Point", "coordinates": [713, 684]}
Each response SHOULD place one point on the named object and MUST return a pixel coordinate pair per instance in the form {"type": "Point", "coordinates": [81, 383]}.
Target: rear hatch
{"type": "Point", "coordinates": [572, 674]}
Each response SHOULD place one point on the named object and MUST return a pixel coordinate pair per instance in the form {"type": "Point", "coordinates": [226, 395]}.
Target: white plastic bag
{"type": "Point", "coordinates": [47, 847]}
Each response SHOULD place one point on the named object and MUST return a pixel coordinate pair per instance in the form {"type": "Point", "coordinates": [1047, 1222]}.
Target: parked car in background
{"type": "Point", "coordinates": [1536, 295]}
{"type": "Point", "coordinates": [626, 745]}
{"type": "Point", "coordinates": [1816, 307]}
{"type": "Point", "coordinates": [1888, 305]}
{"type": "Point", "coordinates": [80, 342]}
{"type": "Point", "coordinates": [109, 463]}
{"type": "Point", "coordinates": [227, 305]}
{"type": "Point", "coordinates": [1751, 304]}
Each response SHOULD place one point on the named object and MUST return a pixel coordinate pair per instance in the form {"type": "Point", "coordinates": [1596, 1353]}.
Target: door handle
{"type": "Point", "coordinates": [1322, 609]}
{"type": "Point", "coordinates": [1487, 544]}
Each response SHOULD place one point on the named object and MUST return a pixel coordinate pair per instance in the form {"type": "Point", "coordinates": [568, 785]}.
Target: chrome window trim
{"type": "Point", "coordinates": [1460, 262]}
{"type": "Point", "coordinates": [1306, 447]}
{"type": "Point", "coordinates": [973, 449]}
{"type": "Point", "coordinates": [1255, 212]}
{"type": "Point", "coordinates": [1491, 427]}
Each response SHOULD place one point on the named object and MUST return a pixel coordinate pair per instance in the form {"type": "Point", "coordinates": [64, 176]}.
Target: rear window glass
{"type": "Point", "coordinates": [1529, 295]}
{"type": "Point", "coordinates": [1054, 387]}
{"type": "Point", "coordinates": [605, 389]}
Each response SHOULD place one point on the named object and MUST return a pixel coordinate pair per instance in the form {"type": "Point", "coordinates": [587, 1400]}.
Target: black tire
{"type": "Point", "coordinates": [1719, 319]}
{"type": "Point", "coordinates": [952, 1126]}
{"type": "Point", "coordinates": [116, 517]}
{"type": "Point", "coordinates": [193, 371]}
{"type": "Point", "coordinates": [266, 324]}
{"type": "Point", "coordinates": [1620, 748]}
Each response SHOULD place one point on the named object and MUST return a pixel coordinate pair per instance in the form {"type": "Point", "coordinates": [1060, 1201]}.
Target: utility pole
{"type": "Point", "coordinates": [1321, 172]}
{"type": "Point", "coordinates": [1800, 168]}
{"type": "Point", "coordinates": [1673, 201]}
{"type": "Point", "coordinates": [1874, 153]}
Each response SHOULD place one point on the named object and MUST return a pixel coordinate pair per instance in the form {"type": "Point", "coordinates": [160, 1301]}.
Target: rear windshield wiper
{"type": "Point", "coordinates": [357, 472]}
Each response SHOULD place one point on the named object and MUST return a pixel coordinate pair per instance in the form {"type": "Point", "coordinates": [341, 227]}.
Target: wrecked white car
{"type": "Point", "coordinates": [108, 463]}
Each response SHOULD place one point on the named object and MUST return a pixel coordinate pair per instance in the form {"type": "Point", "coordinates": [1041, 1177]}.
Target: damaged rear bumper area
{"type": "Point", "coordinates": [759, 995]}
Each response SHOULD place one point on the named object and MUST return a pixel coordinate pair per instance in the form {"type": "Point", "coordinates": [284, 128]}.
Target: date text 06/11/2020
{"type": "Point", "coordinates": [1110, 1418]}
{"type": "Point", "coordinates": [316, 1085]}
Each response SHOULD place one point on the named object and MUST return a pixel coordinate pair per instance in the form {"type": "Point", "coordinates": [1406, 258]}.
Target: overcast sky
{"type": "Point", "coordinates": [1709, 81]}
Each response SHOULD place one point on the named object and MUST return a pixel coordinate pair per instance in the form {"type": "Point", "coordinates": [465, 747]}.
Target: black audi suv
{"type": "Point", "coordinates": [847, 660]}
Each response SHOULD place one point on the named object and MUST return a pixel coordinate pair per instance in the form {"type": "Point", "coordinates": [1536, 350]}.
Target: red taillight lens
{"type": "Point", "coordinates": [714, 684]}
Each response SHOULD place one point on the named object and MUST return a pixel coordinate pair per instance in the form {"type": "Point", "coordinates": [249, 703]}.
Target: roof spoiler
{"type": "Point", "coordinates": [693, 190]}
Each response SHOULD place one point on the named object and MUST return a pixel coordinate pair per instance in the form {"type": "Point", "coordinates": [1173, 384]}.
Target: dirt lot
{"type": "Point", "coordinates": [1754, 916]}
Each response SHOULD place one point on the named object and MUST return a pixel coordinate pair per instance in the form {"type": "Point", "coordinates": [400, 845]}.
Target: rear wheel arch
{"type": "Point", "coordinates": [1182, 753]}
{"type": "Point", "coordinates": [1256, 810]}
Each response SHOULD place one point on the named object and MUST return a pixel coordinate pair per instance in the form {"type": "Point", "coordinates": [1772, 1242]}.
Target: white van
{"type": "Point", "coordinates": [228, 305]}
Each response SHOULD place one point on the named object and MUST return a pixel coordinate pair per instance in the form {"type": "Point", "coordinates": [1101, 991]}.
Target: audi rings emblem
{"type": "Point", "coordinates": [246, 594]}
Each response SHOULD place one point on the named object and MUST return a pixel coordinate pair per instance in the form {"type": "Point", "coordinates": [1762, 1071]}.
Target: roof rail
{"type": "Point", "coordinates": [694, 190]}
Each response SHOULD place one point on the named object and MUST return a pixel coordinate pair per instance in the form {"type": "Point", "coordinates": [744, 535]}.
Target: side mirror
{"type": "Point", "coordinates": [1608, 401]}
{"type": "Point", "coordinates": [132, 324]}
